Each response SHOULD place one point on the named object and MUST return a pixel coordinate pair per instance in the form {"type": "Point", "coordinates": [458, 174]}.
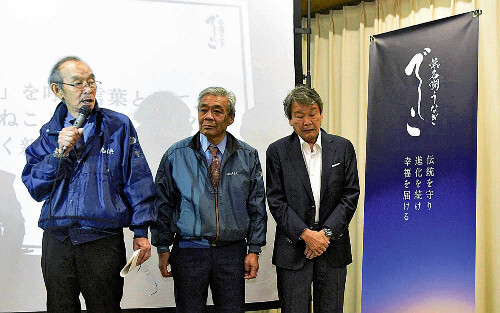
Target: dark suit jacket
{"type": "Point", "coordinates": [291, 201]}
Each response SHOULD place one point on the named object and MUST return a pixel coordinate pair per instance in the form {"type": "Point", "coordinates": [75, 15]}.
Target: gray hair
{"type": "Point", "coordinates": [55, 73]}
{"type": "Point", "coordinates": [304, 95]}
{"type": "Point", "coordinates": [219, 91]}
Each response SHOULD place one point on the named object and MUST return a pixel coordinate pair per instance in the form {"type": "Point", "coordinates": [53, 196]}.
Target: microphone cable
{"type": "Point", "coordinates": [44, 244]}
{"type": "Point", "coordinates": [83, 114]}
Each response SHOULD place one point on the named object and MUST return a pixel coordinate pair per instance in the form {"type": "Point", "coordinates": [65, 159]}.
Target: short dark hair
{"type": "Point", "coordinates": [303, 95]}
{"type": "Point", "coordinates": [55, 73]}
{"type": "Point", "coordinates": [219, 91]}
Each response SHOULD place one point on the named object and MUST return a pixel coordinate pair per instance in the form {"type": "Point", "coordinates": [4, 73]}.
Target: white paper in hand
{"type": "Point", "coordinates": [131, 264]}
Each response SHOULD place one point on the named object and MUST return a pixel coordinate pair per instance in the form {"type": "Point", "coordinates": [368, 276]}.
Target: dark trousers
{"type": "Point", "coordinates": [221, 268]}
{"type": "Point", "coordinates": [92, 268]}
{"type": "Point", "coordinates": [294, 287]}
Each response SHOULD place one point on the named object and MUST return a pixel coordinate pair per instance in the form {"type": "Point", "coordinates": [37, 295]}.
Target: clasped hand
{"type": "Point", "coordinates": [316, 243]}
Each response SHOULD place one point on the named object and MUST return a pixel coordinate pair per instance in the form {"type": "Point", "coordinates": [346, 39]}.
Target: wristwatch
{"type": "Point", "coordinates": [328, 232]}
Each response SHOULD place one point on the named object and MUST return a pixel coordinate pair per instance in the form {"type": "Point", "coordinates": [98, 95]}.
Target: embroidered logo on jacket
{"type": "Point", "coordinates": [232, 173]}
{"type": "Point", "coordinates": [107, 151]}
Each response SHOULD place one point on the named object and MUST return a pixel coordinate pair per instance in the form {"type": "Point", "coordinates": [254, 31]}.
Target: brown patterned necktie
{"type": "Point", "coordinates": [215, 166]}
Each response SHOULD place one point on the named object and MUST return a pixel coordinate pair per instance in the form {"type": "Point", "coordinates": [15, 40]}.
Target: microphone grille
{"type": "Point", "coordinates": [85, 110]}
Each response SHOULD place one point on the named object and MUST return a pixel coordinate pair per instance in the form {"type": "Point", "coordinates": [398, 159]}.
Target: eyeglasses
{"type": "Point", "coordinates": [81, 86]}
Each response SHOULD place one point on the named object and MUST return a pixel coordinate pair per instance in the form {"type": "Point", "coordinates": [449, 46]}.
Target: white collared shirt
{"type": "Point", "coordinates": [313, 162]}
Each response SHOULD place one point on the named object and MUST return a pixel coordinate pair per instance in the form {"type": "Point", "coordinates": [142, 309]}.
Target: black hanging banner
{"type": "Point", "coordinates": [420, 201]}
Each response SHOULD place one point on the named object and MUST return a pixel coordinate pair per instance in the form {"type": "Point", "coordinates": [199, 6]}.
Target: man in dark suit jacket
{"type": "Point", "coordinates": [312, 191]}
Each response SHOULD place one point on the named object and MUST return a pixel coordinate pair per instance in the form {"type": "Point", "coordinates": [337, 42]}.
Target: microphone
{"type": "Point", "coordinates": [83, 114]}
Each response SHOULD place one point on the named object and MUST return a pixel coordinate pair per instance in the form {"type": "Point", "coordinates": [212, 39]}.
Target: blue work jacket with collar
{"type": "Point", "coordinates": [106, 184]}
{"type": "Point", "coordinates": [186, 199]}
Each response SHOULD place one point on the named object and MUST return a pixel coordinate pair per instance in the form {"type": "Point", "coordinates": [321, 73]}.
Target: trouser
{"type": "Point", "coordinates": [294, 287]}
{"type": "Point", "coordinates": [221, 268]}
{"type": "Point", "coordinates": [92, 268]}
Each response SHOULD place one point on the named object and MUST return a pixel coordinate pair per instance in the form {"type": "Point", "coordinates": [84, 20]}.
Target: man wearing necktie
{"type": "Point", "coordinates": [312, 191]}
{"type": "Point", "coordinates": [211, 210]}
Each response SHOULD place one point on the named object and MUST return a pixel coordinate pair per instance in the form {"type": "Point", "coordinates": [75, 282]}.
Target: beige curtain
{"type": "Point", "coordinates": [339, 67]}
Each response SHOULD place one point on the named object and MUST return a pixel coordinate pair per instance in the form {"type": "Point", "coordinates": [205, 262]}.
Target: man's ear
{"type": "Point", "coordinates": [56, 90]}
{"type": "Point", "coordinates": [231, 119]}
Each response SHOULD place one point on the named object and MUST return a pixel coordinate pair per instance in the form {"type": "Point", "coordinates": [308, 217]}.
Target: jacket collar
{"type": "Point", "coordinates": [56, 123]}
{"type": "Point", "coordinates": [327, 153]}
{"type": "Point", "coordinates": [231, 145]}
{"type": "Point", "coordinates": [297, 160]}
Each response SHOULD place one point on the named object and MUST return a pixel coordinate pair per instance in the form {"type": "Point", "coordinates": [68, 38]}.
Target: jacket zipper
{"type": "Point", "coordinates": [217, 214]}
{"type": "Point", "coordinates": [216, 193]}
{"type": "Point", "coordinates": [216, 198]}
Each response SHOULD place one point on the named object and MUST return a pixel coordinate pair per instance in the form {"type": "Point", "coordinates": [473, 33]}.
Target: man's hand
{"type": "Point", "coordinates": [68, 137]}
{"type": "Point", "coordinates": [143, 244]}
{"type": "Point", "coordinates": [310, 254]}
{"type": "Point", "coordinates": [316, 243]}
{"type": "Point", "coordinates": [163, 264]}
{"type": "Point", "coordinates": [251, 265]}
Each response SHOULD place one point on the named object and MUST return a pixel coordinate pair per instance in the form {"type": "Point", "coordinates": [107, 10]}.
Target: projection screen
{"type": "Point", "coordinates": [153, 58]}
